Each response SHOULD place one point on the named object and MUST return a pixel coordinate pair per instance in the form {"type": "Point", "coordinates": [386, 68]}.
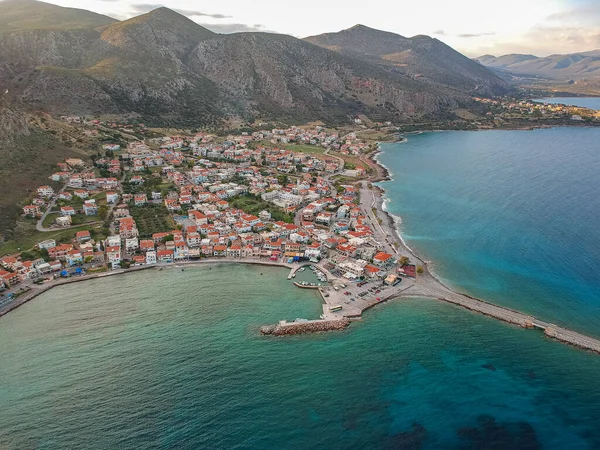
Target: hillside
{"type": "Point", "coordinates": [574, 66]}
{"type": "Point", "coordinates": [16, 15]}
{"type": "Point", "coordinates": [171, 71]}
{"type": "Point", "coordinates": [420, 57]}
{"type": "Point", "coordinates": [29, 154]}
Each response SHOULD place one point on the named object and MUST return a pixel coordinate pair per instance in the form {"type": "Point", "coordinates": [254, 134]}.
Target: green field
{"type": "Point", "coordinates": [152, 219]}
{"type": "Point", "coordinates": [305, 148]}
{"type": "Point", "coordinates": [26, 236]}
{"type": "Point", "coordinates": [252, 204]}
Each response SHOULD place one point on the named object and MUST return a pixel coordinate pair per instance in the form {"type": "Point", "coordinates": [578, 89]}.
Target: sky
{"type": "Point", "coordinates": [474, 27]}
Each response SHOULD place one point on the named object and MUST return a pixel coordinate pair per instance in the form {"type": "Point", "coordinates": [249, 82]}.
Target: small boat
{"type": "Point", "coordinates": [294, 276]}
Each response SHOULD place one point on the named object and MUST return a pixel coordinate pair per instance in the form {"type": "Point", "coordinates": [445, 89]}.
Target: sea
{"type": "Point", "coordinates": [174, 359]}
{"type": "Point", "coordinates": [584, 102]}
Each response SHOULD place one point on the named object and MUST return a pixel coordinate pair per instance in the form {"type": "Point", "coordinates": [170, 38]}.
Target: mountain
{"type": "Point", "coordinates": [167, 69]}
{"type": "Point", "coordinates": [420, 57]}
{"type": "Point", "coordinates": [555, 67]}
{"type": "Point", "coordinates": [18, 15]}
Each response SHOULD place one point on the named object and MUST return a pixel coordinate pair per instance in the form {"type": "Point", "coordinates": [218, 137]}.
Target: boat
{"type": "Point", "coordinates": [294, 276]}
{"type": "Point", "coordinates": [302, 269]}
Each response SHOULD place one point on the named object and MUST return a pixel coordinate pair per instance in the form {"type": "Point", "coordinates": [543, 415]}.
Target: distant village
{"type": "Point", "coordinates": [184, 198]}
{"type": "Point", "coordinates": [518, 109]}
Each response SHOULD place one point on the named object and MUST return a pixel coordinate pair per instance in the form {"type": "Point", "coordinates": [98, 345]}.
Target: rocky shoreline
{"type": "Point", "coordinates": [312, 326]}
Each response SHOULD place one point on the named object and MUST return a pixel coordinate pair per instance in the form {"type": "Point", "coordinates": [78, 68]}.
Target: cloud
{"type": "Point", "coordinates": [228, 28]}
{"type": "Point", "coordinates": [543, 40]}
{"type": "Point", "coordinates": [462, 35]}
{"type": "Point", "coordinates": [585, 13]}
{"type": "Point", "coordinates": [142, 8]}
{"type": "Point", "coordinates": [474, 35]}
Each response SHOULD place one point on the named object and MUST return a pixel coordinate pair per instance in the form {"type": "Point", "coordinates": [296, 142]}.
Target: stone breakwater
{"type": "Point", "coordinates": [312, 326]}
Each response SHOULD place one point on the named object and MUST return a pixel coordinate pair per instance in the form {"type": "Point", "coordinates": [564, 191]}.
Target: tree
{"type": "Point", "coordinates": [404, 261]}
{"type": "Point", "coordinates": [420, 269]}
{"type": "Point", "coordinates": [167, 238]}
{"type": "Point", "coordinates": [103, 212]}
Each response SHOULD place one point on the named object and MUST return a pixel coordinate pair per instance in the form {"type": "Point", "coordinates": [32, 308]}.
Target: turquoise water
{"type": "Point", "coordinates": [585, 102]}
{"type": "Point", "coordinates": [173, 359]}
{"type": "Point", "coordinates": [509, 216]}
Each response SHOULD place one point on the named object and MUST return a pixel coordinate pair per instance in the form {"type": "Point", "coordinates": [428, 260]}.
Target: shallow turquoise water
{"type": "Point", "coordinates": [509, 216]}
{"type": "Point", "coordinates": [173, 359]}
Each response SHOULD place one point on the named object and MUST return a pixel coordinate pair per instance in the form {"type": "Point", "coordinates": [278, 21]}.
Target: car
{"type": "Point", "coordinates": [378, 299]}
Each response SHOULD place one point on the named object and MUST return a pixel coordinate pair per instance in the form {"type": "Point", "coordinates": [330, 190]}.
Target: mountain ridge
{"type": "Point", "coordinates": [420, 56]}
{"type": "Point", "coordinates": [167, 69]}
{"type": "Point", "coordinates": [560, 67]}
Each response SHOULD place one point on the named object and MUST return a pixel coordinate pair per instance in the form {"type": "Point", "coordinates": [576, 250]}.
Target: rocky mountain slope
{"type": "Point", "coordinates": [574, 66]}
{"type": "Point", "coordinates": [169, 70]}
{"type": "Point", "coordinates": [420, 57]}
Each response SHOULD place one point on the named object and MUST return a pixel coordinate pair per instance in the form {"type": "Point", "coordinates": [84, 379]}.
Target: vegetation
{"type": "Point", "coordinates": [253, 204]}
{"type": "Point", "coordinates": [26, 237]}
{"type": "Point", "coordinates": [152, 219]}
{"type": "Point", "coordinates": [305, 148]}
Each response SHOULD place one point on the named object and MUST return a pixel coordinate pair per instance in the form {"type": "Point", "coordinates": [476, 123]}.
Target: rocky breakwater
{"type": "Point", "coordinates": [284, 328]}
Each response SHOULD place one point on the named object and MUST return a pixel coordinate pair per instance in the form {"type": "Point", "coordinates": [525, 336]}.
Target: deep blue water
{"type": "Point", "coordinates": [585, 102]}
{"type": "Point", "coordinates": [509, 216]}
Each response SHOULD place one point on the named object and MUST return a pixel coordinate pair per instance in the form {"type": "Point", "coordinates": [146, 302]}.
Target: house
{"type": "Point", "coordinates": [131, 245]}
{"type": "Point", "coordinates": [45, 191]}
{"type": "Point", "coordinates": [81, 193]}
{"type": "Point", "coordinates": [67, 211]}
{"type": "Point", "coordinates": [146, 245]}
{"type": "Point", "coordinates": [74, 257]}
{"type": "Point", "coordinates": [47, 244]}
{"type": "Point", "coordinates": [90, 208]}
{"type": "Point", "coordinates": [194, 239]}
{"type": "Point", "coordinates": [83, 236]}
{"type": "Point", "coordinates": [235, 251]}
{"type": "Point", "coordinates": [151, 257]}
{"type": "Point", "coordinates": [165, 256]}
{"type": "Point", "coordinates": [382, 259]}
{"type": "Point", "coordinates": [220, 250]}
{"type": "Point", "coordinates": [9, 278]}
{"type": "Point", "coordinates": [139, 260]}
{"type": "Point", "coordinates": [140, 199]}
{"type": "Point", "coordinates": [113, 256]}
{"type": "Point", "coordinates": [198, 218]}
{"type": "Point", "coordinates": [31, 210]}
{"type": "Point", "coordinates": [63, 221]}
{"type": "Point", "coordinates": [127, 228]}
{"type": "Point", "coordinates": [65, 196]}
{"type": "Point", "coordinates": [60, 251]}
{"type": "Point", "coordinates": [112, 197]}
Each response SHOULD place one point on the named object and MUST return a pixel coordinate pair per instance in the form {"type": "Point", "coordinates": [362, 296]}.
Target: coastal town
{"type": "Point", "coordinates": [182, 199]}
{"type": "Point", "coordinates": [300, 198]}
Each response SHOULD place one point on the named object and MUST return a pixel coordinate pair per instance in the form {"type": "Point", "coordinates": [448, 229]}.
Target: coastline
{"type": "Point", "coordinates": [34, 292]}
{"type": "Point", "coordinates": [450, 295]}
{"type": "Point", "coordinates": [426, 285]}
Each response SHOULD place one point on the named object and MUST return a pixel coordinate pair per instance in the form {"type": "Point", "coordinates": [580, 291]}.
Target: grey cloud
{"type": "Point", "coordinates": [473, 35]}
{"type": "Point", "coordinates": [440, 33]}
{"type": "Point", "coordinates": [228, 28]}
{"type": "Point", "coordinates": [142, 8]}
